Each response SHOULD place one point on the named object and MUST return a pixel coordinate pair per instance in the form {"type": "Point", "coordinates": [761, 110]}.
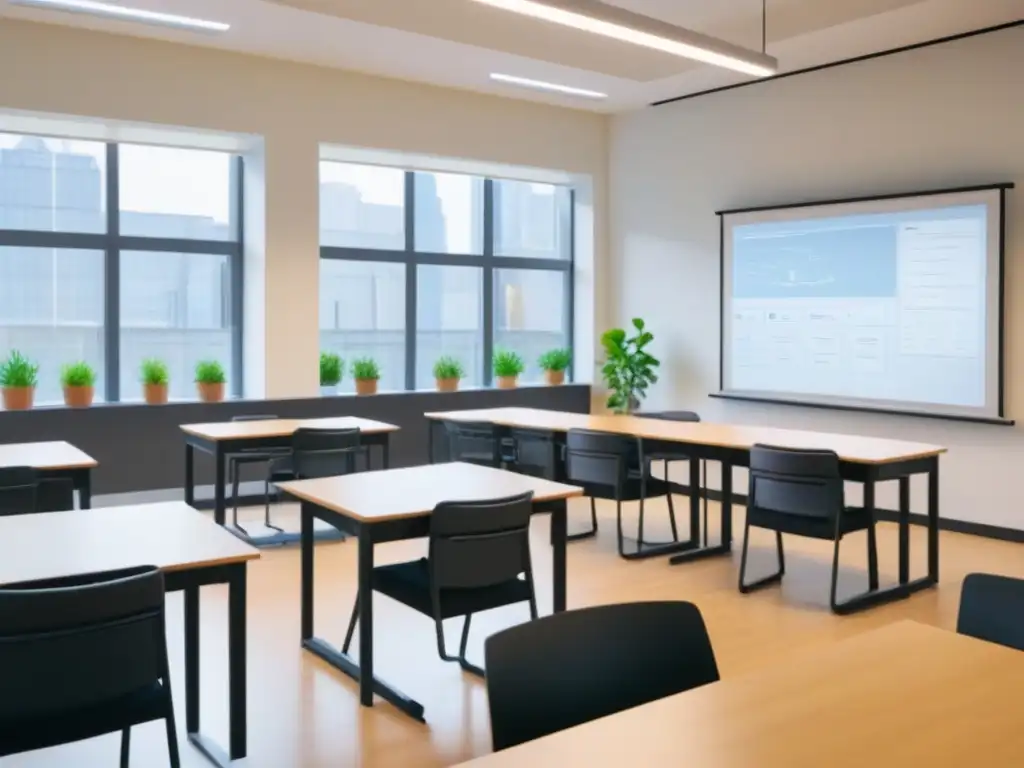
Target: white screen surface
{"type": "Point", "coordinates": [889, 304]}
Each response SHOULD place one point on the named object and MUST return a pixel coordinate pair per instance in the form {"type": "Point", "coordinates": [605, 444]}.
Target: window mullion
{"type": "Point", "coordinates": [112, 281]}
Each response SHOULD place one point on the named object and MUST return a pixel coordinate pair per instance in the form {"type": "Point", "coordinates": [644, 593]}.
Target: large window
{"type": "Point", "coordinates": [415, 266]}
{"type": "Point", "coordinates": [112, 253]}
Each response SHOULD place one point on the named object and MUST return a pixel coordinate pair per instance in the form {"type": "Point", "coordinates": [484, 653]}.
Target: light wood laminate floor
{"type": "Point", "coordinates": [303, 714]}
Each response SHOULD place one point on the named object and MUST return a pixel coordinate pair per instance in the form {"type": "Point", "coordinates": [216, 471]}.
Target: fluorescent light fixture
{"type": "Point", "coordinates": [540, 85]}
{"type": "Point", "coordinates": [611, 21]}
{"type": "Point", "coordinates": [127, 14]}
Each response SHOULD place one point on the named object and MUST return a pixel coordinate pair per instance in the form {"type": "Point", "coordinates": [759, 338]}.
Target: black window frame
{"type": "Point", "coordinates": [112, 243]}
{"type": "Point", "coordinates": [486, 261]}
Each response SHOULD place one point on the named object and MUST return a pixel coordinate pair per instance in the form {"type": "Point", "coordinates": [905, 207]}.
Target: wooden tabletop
{"type": "Point", "coordinates": [414, 491]}
{"type": "Point", "coordinates": [233, 430]}
{"type": "Point", "coordinates": [170, 535]}
{"type": "Point", "coordinates": [53, 455]}
{"type": "Point", "coordinates": [852, 448]}
{"type": "Point", "coordinates": [900, 696]}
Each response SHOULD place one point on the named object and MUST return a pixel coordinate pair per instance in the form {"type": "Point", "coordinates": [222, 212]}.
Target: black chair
{"type": "Point", "coordinates": [23, 492]}
{"type": "Point", "coordinates": [235, 462]}
{"type": "Point", "coordinates": [480, 443]}
{"type": "Point", "coordinates": [992, 608]}
{"type": "Point", "coordinates": [801, 492]}
{"type": "Point", "coordinates": [478, 559]}
{"type": "Point", "coordinates": [667, 452]}
{"type": "Point", "coordinates": [320, 453]}
{"type": "Point", "coordinates": [533, 452]}
{"type": "Point", "coordinates": [84, 656]}
{"type": "Point", "coordinates": [574, 667]}
{"type": "Point", "coordinates": [612, 466]}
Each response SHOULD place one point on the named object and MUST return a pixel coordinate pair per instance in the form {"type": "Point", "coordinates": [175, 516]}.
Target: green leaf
{"type": "Point", "coordinates": [638, 323]}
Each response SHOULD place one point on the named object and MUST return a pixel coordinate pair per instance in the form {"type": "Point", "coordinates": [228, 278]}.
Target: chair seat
{"type": "Point", "coordinates": [852, 519]}
{"type": "Point", "coordinates": [25, 734]}
{"type": "Point", "coordinates": [409, 584]}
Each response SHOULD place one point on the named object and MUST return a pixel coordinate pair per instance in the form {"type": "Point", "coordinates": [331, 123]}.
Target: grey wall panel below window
{"type": "Point", "coordinates": [141, 448]}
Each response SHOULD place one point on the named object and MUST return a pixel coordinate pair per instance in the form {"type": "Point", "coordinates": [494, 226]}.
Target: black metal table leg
{"type": "Point", "coordinates": [192, 660]}
{"type": "Point", "coordinates": [904, 530]}
{"type": "Point", "coordinates": [724, 547]}
{"type": "Point", "coordinates": [385, 451]}
{"type": "Point", "coordinates": [559, 525]}
{"type": "Point", "coordinates": [85, 489]}
{"type": "Point", "coordinates": [237, 662]}
{"type": "Point", "coordinates": [219, 504]}
{"type": "Point", "coordinates": [933, 521]}
{"type": "Point", "coordinates": [190, 482]}
{"type": "Point", "coordinates": [362, 670]}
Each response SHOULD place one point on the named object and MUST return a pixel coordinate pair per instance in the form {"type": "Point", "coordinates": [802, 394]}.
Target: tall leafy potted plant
{"type": "Point", "coordinates": [629, 368]}
{"type": "Point", "coordinates": [447, 373]}
{"type": "Point", "coordinates": [508, 365]}
{"type": "Point", "coordinates": [332, 368]}
{"type": "Point", "coordinates": [18, 379]}
{"type": "Point", "coordinates": [78, 380]}
{"type": "Point", "coordinates": [155, 378]}
{"type": "Point", "coordinates": [554, 363]}
{"type": "Point", "coordinates": [366, 372]}
{"type": "Point", "coordinates": [210, 378]}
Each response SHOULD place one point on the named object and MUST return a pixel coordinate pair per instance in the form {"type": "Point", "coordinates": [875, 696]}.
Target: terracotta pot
{"type": "Point", "coordinates": [78, 397]}
{"type": "Point", "coordinates": [554, 378]}
{"type": "Point", "coordinates": [18, 398]}
{"type": "Point", "coordinates": [447, 385]}
{"type": "Point", "coordinates": [210, 393]}
{"type": "Point", "coordinates": [155, 394]}
{"type": "Point", "coordinates": [508, 382]}
{"type": "Point", "coordinates": [366, 386]}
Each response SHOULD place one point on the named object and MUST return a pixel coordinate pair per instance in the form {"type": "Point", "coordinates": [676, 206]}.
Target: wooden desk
{"type": "Point", "coordinates": [396, 504]}
{"type": "Point", "coordinates": [867, 460]}
{"type": "Point", "coordinates": [225, 437]}
{"type": "Point", "coordinates": [57, 460]}
{"type": "Point", "coordinates": [903, 695]}
{"type": "Point", "coordinates": [192, 552]}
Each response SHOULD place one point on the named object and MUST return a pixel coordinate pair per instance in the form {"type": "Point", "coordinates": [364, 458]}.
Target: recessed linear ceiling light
{"type": "Point", "coordinates": [611, 21]}
{"type": "Point", "coordinates": [540, 85]}
{"type": "Point", "coordinates": [127, 14]}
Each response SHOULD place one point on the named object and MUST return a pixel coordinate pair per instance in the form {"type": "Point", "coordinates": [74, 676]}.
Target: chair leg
{"type": "Point", "coordinates": [640, 526]}
{"type": "Point", "coordinates": [672, 514]}
{"type": "Point", "coordinates": [126, 746]}
{"type": "Point", "coordinates": [618, 522]}
{"type": "Point", "coordinates": [266, 507]}
{"type": "Point", "coordinates": [172, 738]}
{"type": "Point", "coordinates": [593, 525]}
{"type": "Point", "coordinates": [836, 607]}
{"type": "Point", "coordinates": [233, 476]}
{"type": "Point", "coordinates": [351, 626]}
{"type": "Point", "coordinates": [461, 658]}
{"type": "Point", "coordinates": [704, 497]}
{"type": "Point", "coordinates": [771, 578]}
{"type": "Point", "coordinates": [872, 559]}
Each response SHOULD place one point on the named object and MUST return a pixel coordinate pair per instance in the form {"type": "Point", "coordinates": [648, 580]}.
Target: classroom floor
{"type": "Point", "coordinates": [304, 714]}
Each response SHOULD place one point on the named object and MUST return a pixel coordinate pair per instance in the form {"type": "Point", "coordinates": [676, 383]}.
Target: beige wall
{"type": "Point", "coordinates": [292, 108]}
{"type": "Point", "coordinates": [943, 116]}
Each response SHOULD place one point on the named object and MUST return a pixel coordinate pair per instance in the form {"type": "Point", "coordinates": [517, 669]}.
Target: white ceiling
{"type": "Point", "coordinates": [458, 43]}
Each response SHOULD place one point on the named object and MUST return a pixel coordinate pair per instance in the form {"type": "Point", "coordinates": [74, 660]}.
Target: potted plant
{"type": "Point", "coordinates": [366, 372]}
{"type": "Point", "coordinates": [507, 367]}
{"type": "Point", "coordinates": [18, 378]}
{"type": "Point", "coordinates": [628, 369]}
{"type": "Point", "coordinates": [554, 363]}
{"type": "Point", "coordinates": [155, 378]}
{"type": "Point", "coordinates": [78, 379]}
{"type": "Point", "coordinates": [332, 367]}
{"type": "Point", "coordinates": [447, 372]}
{"type": "Point", "coordinates": [210, 378]}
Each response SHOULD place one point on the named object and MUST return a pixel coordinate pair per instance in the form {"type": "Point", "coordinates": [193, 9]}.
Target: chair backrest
{"type": "Point", "coordinates": [478, 442]}
{"type": "Point", "coordinates": [574, 667]}
{"type": "Point", "coordinates": [793, 481]}
{"type": "Point", "coordinates": [18, 491]}
{"type": "Point", "coordinates": [599, 458]}
{"type": "Point", "coordinates": [671, 415]}
{"type": "Point", "coordinates": [480, 543]}
{"type": "Point", "coordinates": [992, 608]}
{"type": "Point", "coordinates": [71, 643]}
{"type": "Point", "coordinates": [325, 452]}
{"type": "Point", "coordinates": [255, 417]}
{"type": "Point", "coordinates": [536, 452]}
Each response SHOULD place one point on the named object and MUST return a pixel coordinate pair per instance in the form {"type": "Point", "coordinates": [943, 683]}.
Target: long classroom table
{"type": "Point", "coordinates": [54, 460]}
{"type": "Point", "coordinates": [190, 550]}
{"type": "Point", "coordinates": [221, 438]}
{"type": "Point", "coordinates": [866, 460]}
{"type": "Point", "coordinates": [902, 696]}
